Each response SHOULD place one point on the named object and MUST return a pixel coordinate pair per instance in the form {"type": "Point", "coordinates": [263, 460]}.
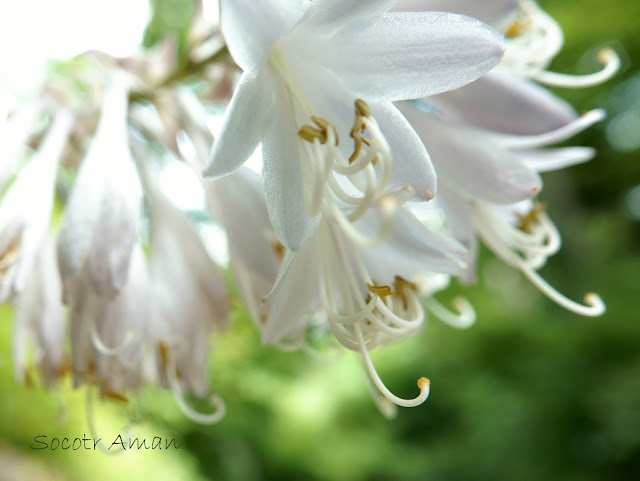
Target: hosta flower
{"type": "Point", "coordinates": [40, 320]}
{"type": "Point", "coordinates": [365, 294]}
{"type": "Point", "coordinates": [25, 209]}
{"type": "Point", "coordinates": [101, 218]}
{"type": "Point", "coordinates": [308, 61]}
{"type": "Point", "coordinates": [189, 302]}
{"type": "Point", "coordinates": [108, 334]}
{"type": "Point", "coordinates": [486, 183]}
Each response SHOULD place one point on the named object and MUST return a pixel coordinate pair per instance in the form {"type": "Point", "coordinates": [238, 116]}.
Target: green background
{"type": "Point", "coordinates": [530, 392]}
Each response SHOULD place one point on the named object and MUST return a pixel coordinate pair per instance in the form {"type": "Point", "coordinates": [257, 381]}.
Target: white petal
{"type": "Point", "coordinates": [507, 103]}
{"type": "Point", "coordinates": [115, 234]}
{"type": "Point", "coordinates": [183, 266]}
{"type": "Point", "coordinates": [334, 14]}
{"type": "Point", "coordinates": [494, 12]}
{"type": "Point", "coordinates": [411, 162]}
{"type": "Point", "coordinates": [413, 55]}
{"type": "Point", "coordinates": [244, 123]}
{"type": "Point", "coordinates": [283, 179]}
{"type": "Point", "coordinates": [239, 205]}
{"type": "Point", "coordinates": [546, 160]}
{"type": "Point", "coordinates": [295, 299]}
{"type": "Point", "coordinates": [473, 165]}
{"type": "Point", "coordinates": [251, 28]}
{"type": "Point", "coordinates": [411, 247]}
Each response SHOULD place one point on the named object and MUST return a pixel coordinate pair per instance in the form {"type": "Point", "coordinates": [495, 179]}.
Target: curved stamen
{"type": "Point", "coordinates": [423, 382]}
{"type": "Point", "coordinates": [607, 57]}
{"type": "Point", "coordinates": [594, 305]}
{"type": "Point", "coordinates": [561, 134]}
{"type": "Point", "coordinates": [464, 318]}
{"type": "Point", "coordinates": [101, 347]}
{"type": "Point", "coordinates": [178, 394]}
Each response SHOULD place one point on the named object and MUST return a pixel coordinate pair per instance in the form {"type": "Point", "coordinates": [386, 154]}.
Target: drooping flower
{"type": "Point", "coordinates": [483, 175]}
{"type": "Point", "coordinates": [310, 60]}
{"type": "Point", "coordinates": [26, 208]}
{"type": "Point", "coordinates": [100, 224]}
{"type": "Point", "coordinates": [189, 301]}
{"type": "Point", "coordinates": [40, 320]}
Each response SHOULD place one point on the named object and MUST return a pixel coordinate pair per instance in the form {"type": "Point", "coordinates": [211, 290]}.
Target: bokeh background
{"type": "Point", "coordinates": [530, 392]}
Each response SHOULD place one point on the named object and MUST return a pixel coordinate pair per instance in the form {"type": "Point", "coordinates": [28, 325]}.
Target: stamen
{"type": "Point", "coordinates": [423, 382]}
{"type": "Point", "coordinates": [465, 317]}
{"type": "Point", "coordinates": [101, 347]}
{"type": "Point", "coordinates": [116, 396]}
{"type": "Point", "coordinates": [379, 290]}
{"type": "Point", "coordinates": [527, 220]}
{"type": "Point", "coordinates": [400, 284]}
{"type": "Point", "coordinates": [178, 394]}
{"type": "Point", "coordinates": [607, 57]}
{"type": "Point", "coordinates": [561, 134]}
{"type": "Point", "coordinates": [488, 230]}
{"type": "Point", "coordinates": [594, 305]}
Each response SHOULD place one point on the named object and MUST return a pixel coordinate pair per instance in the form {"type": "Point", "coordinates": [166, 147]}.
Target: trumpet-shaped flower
{"type": "Point", "coordinates": [40, 319]}
{"type": "Point", "coordinates": [100, 224]}
{"type": "Point", "coordinates": [311, 60]}
{"type": "Point", "coordinates": [25, 210]}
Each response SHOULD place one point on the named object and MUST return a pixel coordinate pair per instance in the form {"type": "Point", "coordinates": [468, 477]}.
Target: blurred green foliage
{"type": "Point", "coordinates": [530, 392]}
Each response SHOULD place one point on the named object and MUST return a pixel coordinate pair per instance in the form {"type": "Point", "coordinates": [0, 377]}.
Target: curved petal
{"type": "Point", "coordinates": [251, 28]}
{"type": "Point", "coordinates": [507, 103]}
{"type": "Point", "coordinates": [295, 299]}
{"type": "Point", "coordinates": [472, 165]}
{"type": "Point", "coordinates": [411, 162]}
{"type": "Point", "coordinates": [496, 13]}
{"type": "Point", "coordinates": [283, 178]}
{"type": "Point", "coordinates": [244, 123]}
{"type": "Point", "coordinates": [546, 160]}
{"type": "Point", "coordinates": [412, 55]}
{"type": "Point", "coordinates": [239, 205]}
{"type": "Point", "coordinates": [411, 247]}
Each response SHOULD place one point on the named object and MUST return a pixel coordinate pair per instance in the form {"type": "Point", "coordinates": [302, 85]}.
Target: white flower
{"type": "Point", "coordinates": [364, 293]}
{"type": "Point", "coordinates": [314, 59]}
{"type": "Point", "coordinates": [25, 210]}
{"type": "Point", "coordinates": [479, 170]}
{"type": "Point", "coordinates": [101, 219]}
{"type": "Point", "coordinates": [108, 334]}
{"type": "Point", "coordinates": [40, 319]}
{"type": "Point", "coordinates": [189, 301]}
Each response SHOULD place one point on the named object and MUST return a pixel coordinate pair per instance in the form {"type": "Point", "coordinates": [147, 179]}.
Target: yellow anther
{"type": "Point", "coordinates": [278, 249]}
{"type": "Point", "coordinates": [362, 109]}
{"type": "Point", "coordinates": [423, 383]}
{"type": "Point", "coordinates": [380, 290]}
{"type": "Point", "coordinates": [116, 396]}
{"type": "Point", "coordinates": [163, 350]}
{"type": "Point", "coordinates": [310, 133]}
{"type": "Point", "coordinates": [527, 220]}
{"type": "Point", "coordinates": [400, 284]}
{"type": "Point", "coordinates": [517, 28]}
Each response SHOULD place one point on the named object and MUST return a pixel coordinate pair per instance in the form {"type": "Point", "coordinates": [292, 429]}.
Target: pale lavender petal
{"type": "Point", "coordinates": [412, 55]}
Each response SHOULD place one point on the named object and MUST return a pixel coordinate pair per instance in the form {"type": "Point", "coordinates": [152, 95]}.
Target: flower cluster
{"type": "Point", "coordinates": [370, 119]}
